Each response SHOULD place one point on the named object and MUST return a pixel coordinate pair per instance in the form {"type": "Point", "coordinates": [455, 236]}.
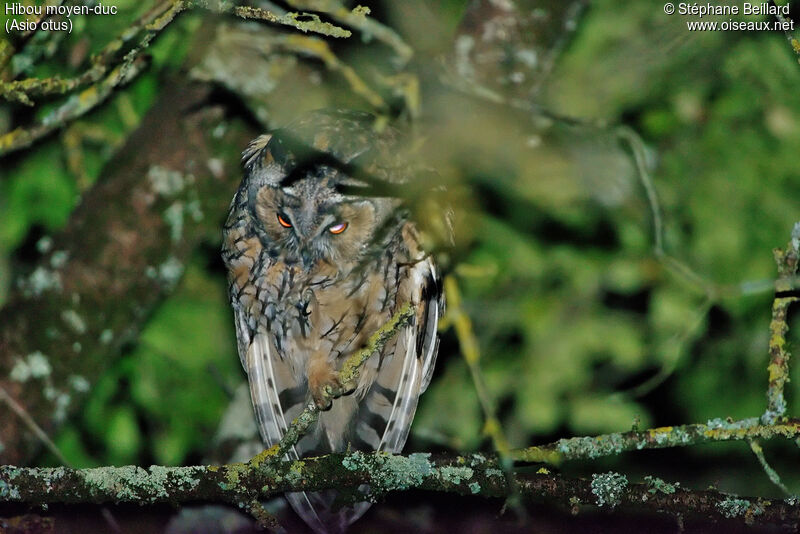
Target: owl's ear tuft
{"type": "Point", "coordinates": [255, 151]}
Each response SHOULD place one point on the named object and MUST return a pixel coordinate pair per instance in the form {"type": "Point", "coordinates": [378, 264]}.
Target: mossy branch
{"type": "Point", "coordinates": [149, 25]}
{"type": "Point", "coordinates": [111, 68]}
{"type": "Point", "coordinates": [475, 474]}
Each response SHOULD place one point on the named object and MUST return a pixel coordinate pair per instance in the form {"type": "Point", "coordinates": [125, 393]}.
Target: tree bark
{"type": "Point", "coordinates": [123, 249]}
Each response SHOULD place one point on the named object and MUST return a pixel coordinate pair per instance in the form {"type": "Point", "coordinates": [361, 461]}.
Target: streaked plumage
{"type": "Point", "coordinates": [316, 263]}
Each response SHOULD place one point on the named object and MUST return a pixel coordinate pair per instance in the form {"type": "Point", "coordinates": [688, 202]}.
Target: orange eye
{"type": "Point", "coordinates": [283, 222]}
{"type": "Point", "coordinates": [338, 228]}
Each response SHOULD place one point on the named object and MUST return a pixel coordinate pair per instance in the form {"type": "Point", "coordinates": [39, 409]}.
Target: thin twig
{"type": "Point", "coordinates": [357, 19]}
{"type": "Point", "coordinates": [301, 21]}
{"type": "Point", "coordinates": [778, 328]}
{"type": "Point", "coordinates": [471, 352]}
{"type": "Point", "coordinates": [787, 23]}
{"type": "Point", "coordinates": [773, 475]}
{"type": "Point", "coordinates": [32, 426]}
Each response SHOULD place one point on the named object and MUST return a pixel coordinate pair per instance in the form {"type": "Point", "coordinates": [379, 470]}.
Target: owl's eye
{"type": "Point", "coordinates": [283, 222]}
{"type": "Point", "coordinates": [338, 228]}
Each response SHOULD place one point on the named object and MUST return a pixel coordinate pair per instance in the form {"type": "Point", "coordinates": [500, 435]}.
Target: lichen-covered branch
{"type": "Point", "coordinates": [302, 21]}
{"type": "Point", "coordinates": [72, 109]}
{"type": "Point", "coordinates": [152, 23]}
{"type": "Point", "coordinates": [787, 261]}
{"type": "Point", "coordinates": [105, 74]}
{"type": "Point", "coordinates": [787, 23]}
{"type": "Point", "coordinates": [472, 474]}
{"type": "Point", "coordinates": [657, 438]}
{"type": "Point", "coordinates": [357, 18]}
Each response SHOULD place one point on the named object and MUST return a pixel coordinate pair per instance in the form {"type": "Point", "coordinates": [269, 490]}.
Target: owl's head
{"type": "Point", "coordinates": [310, 189]}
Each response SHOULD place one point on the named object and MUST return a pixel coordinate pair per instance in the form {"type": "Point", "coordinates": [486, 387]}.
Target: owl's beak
{"type": "Point", "coordinates": [307, 258]}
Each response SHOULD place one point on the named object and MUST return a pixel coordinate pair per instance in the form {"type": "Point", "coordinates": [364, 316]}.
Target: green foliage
{"type": "Point", "coordinates": [163, 401]}
{"type": "Point", "coordinates": [572, 321]}
{"type": "Point", "coordinates": [40, 192]}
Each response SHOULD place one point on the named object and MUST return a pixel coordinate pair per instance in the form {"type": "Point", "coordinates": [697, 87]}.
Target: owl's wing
{"type": "Point", "coordinates": [385, 415]}
{"type": "Point", "coordinates": [277, 399]}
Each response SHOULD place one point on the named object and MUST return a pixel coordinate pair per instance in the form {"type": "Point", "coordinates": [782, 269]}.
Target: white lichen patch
{"type": "Point", "coordinates": [478, 459]}
{"type": "Point", "coordinates": [173, 216]}
{"type": "Point", "coordinates": [51, 476]}
{"type": "Point", "coordinates": [34, 365]}
{"type": "Point", "coordinates": [402, 473]}
{"type": "Point", "coordinates": [121, 482]}
{"type": "Point", "coordinates": [8, 492]}
{"type": "Point", "coordinates": [77, 347]}
{"type": "Point", "coordinates": [194, 210]}
{"type": "Point", "coordinates": [455, 475]}
{"type": "Point", "coordinates": [731, 507]}
{"type": "Point", "coordinates": [162, 478]}
{"type": "Point", "coordinates": [40, 280]}
{"type": "Point", "coordinates": [106, 336]}
{"type": "Point", "coordinates": [166, 182]}
{"type": "Point", "coordinates": [158, 480]}
{"type": "Point", "coordinates": [657, 485]}
{"type": "Point", "coordinates": [59, 259]}
{"type": "Point", "coordinates": [170, 271]}
{"type": "Point", "coordinates": [61, 401]}
{"type": "Point", "coordinates": [723, 424]}
{"type": "Point", "coordinates": [493, 472]}
{"type": "Point", "coordinates": [609, 488]}
{"type": "Point", "coordinates": [44, 244]}
{"type": "Point", "coordinates": [78, 383]}
{"type": "Point", "coordinates": [391, 472]}
{"type": "Point", "coordinates": [74, 321]}
{"type": "Point", "coordinates": [474, 487]}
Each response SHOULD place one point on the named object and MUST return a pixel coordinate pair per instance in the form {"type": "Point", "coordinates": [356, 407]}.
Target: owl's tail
{"type": "Point", "coordinates": [316, 509]}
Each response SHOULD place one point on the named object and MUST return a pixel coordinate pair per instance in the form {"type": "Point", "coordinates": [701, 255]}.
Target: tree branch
{"type": "Point", "coordinates": [474, 474]}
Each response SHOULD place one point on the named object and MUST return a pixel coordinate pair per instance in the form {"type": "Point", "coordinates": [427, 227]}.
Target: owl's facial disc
{"type": "Point", "coordinates": [312, 225]}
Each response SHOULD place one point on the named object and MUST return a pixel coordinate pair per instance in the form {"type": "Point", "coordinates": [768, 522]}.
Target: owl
{"type": "Point", "coordinates": [319, 256]}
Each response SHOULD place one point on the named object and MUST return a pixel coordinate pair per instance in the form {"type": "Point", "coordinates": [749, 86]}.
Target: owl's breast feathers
{"type": "Point", "coordinates": [321, 309]}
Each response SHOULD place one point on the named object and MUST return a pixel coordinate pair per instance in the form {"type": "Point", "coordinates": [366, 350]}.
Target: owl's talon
{"type": "Point", "coordinates": [323, 383]}
{"type": "Point", "coordinates": [322, 403]}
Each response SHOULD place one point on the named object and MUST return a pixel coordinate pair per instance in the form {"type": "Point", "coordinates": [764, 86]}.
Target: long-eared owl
{"type": "Point", "coordinates": [319, 256]}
